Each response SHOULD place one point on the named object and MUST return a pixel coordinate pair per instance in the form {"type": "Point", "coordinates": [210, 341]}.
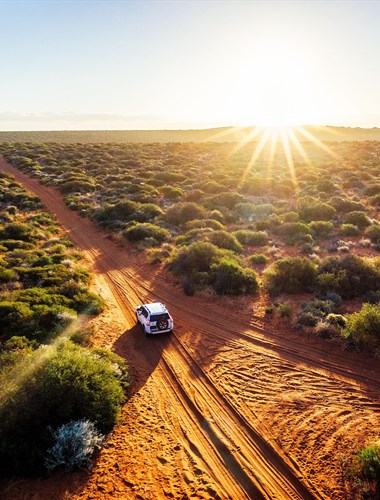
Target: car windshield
{"type": "Point", "coordinates": [157, 317]}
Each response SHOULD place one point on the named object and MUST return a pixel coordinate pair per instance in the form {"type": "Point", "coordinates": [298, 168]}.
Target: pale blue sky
{"type": "Point", "coordinates": [183, 64]}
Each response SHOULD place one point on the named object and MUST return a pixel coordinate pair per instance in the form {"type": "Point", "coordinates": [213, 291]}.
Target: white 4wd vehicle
{"type": "Point", "coordinates": [154, 318]}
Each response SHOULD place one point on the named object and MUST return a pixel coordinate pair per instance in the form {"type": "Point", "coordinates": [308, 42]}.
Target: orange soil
{"type": "Point", "coordinates": [228, 406]}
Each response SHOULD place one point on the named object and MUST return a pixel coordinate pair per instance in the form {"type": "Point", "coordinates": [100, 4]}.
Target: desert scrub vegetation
{"type": "Point", "coordinates": [48, 384]}
{"type": "Point", "coordinates": [361, 472]}
{"type": "Point", "coordinates": [363, 328]}
{"type": "Point", "coordinates": [202, 191]}
{"type": "Point", "coordinates": [206, 265]}
{"type": "Point", "coordinates": [47, 387]}
{"type": "Point", "coordinates": [290, 275]}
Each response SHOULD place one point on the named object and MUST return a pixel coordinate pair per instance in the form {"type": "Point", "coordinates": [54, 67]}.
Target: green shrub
{"type": "Point", "coordinates": [14, 317]}
{"type": "Point", "coordinates": [146, 231]}
{"type": "Point", "coordinates": [258, 259]}
{"type": "Point", "coordinates": [17, 231]}
{"type": "Point", "coordinates": [363, 472]}
{"type": "Point", "coordinates": [197, 257]}
{"type": "Point", "coordinates": [123, 211]}
{"type": "Point", "coordinates": [204, 264]}
{"type": "Point", "coordinates": [172, 193]}
{"type": "Point", "coordinates": [321, 229]}
{"type": "Point", "coordinates": [290, 217]}
{"type": "Point", "coordinates": [359, 219]}
{"type": "Point", "coordinates": [373, 233]}
{"type": "Point", "coordinates": [183, 212]}
{"type": "Point", "coordinates": [369, 459]}
{"type": "Point", "coordinates": [203, 223]}
{"type": "Point", "coordinates": [284, 310]}
{"type": "Point", "coordinates": [251, 238]}
{"type": "Point", "coordinates": [146, 212]}
{"type": "Point", "coordinates": [16, 245]}
{"type": "Point", "coordinates": [225, 199]}
{"type": "Point", "coordinates": [311, 209]}
{"type": "Point", "coordinates": [290, 275]}
{"type": "Point", "coordinates": [87, 302]}
{"type": "Point", "coordinates": [253, 212]}
{"type": "Point", "coordinates": [34, 296]}
{"type": "Point", "coordinates": [336, 319]}
{"type": "Point", "coordinates": [56, 386]}
{"type": "Point", "coordinates": [374, 200]}
{"type": "Point", "coordinates": [216, 215]}
{"type": "Point", "coordinates": [79, 185]}
{"type": "Point", "coordinates": [222, 239]}
{"type": "Point", "coordinates": [348, 275]}
{"type": "Point", "coordinates": [292, 229]}
{"type": "Point", "coordinates": [320, 307]}
{"type": "Point", "coordinates": [349, 230]}
{"type": "Point", "coordinates": [363, 327]}
{"type": "Point", "coordinates": [7, 275]}
{"type": "Point", "coordinates": [228, 277]}
{"type": "Point", "coordinates": [193, 235]}
{"type": "Point", "coordinates": [345, 205]}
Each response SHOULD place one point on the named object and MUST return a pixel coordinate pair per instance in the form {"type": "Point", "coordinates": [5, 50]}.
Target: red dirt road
{"type": "Point", "coordinates": [222, 408]}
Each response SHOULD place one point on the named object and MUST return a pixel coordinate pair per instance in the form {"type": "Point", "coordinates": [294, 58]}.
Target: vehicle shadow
{"type": "Point", "coordinates": [142, 353]}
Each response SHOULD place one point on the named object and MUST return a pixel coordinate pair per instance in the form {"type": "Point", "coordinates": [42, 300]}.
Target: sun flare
{"type": "Point", "coordinates": [287, 138]}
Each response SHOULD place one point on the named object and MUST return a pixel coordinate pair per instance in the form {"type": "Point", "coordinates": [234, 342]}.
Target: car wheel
{"type": "Point", "coordinates": [162, 324]}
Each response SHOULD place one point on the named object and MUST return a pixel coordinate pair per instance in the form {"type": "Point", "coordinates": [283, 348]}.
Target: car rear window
{"type": "Point", "coordinates": [157, 317]}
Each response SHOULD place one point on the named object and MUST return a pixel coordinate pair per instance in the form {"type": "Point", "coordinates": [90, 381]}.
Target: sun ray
{"type": "Point", "coordinates": [224, 133]}
{"type": "Point", "coordinates": [300, 148]}
{"type": "Point", "coordinates": [316, 141]}
{"type": "Point", "coordinates": [289, 157]}
{"type": "Point", "coordinates": [249, 137]}
{"type": "Point", "coordinates": [24, 370]}
{"type": "Point", "coordinates": [259, 148]}
{"type": "Point", "coordinates": [272, 153]}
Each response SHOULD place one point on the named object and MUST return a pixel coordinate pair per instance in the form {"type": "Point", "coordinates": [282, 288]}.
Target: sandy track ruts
{"type": "Point", "coordinates": [209, 371]}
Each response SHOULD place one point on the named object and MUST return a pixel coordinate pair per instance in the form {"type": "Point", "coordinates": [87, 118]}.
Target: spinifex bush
{"type": "Point", "coordinates": [75, 443]}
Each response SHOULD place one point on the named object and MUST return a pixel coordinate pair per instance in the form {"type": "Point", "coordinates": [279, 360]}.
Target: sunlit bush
{"type": "Point", "coordinates": [183, 212]}
{"type": "Point", "coordinates": [231, 278]}
{"type": "Point", "coordinates": [363, 327]}
{"type": "Point", "coordinates": [349, 276]}
{"type": "Point", "coordinates": [290, 275]}
{"type": "Point", "coordinates": [251, 238]}
{"type": "Point", "coordinates": [55, 386]}
{"type": "Point", "coordinates": [146, 231]}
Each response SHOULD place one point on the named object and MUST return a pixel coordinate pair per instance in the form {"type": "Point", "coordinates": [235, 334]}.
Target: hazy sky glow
{"type": "Point", "coordinates": [187, 64]}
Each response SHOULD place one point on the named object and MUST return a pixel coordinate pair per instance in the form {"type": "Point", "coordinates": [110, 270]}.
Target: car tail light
{"type": "Point", "coordinates": [148, 322]}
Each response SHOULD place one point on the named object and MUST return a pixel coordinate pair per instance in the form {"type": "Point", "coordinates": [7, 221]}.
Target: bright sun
{"type": "Point", "coordinates": [276, 88]}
